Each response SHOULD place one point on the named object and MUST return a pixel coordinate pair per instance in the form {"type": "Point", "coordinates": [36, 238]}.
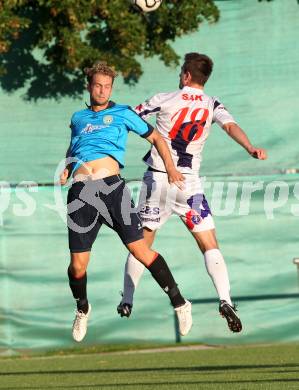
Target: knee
{"type": "Point", "coordinates": [206, 241]}
{"type": "Point", "coordinates": [77, 268]}
{"type": "Point", "coordinates": [142, 253]}
{"type": "Point", "coordinates": [136, 253]}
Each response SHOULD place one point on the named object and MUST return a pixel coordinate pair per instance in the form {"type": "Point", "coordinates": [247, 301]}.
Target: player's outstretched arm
{"type": "Point", "coordinates": [238, 135]}
{"type": "Point", "coordinates": [174, 176]}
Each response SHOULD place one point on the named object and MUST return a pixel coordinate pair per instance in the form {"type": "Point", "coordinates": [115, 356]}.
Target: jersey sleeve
{"type": "Point", "coordinates": [220, 114]}
{"type": "Point", "coordinates": [138, 125]}
{"type": "Point", "coordinates": [74, 122]}
{"type": "Point", "coordinates": [150, 107]}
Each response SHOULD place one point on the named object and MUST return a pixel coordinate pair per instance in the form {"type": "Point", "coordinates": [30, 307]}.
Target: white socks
{"type": "Point", "coordinates": [217, 270]}
{"type": "Point", "coordinates": [215, 266]}
{"type": "Point", "coordinates": [133, 272]}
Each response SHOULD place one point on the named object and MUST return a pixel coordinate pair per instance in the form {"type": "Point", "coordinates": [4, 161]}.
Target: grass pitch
{"type": "Point", "coordinates": [260, 367]}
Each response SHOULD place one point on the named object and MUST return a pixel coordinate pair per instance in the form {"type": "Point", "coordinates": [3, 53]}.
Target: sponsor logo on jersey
{"type": "Point", "coordinates": [186, 96]}
{"type": "Point", "coordinates": [89, 128]}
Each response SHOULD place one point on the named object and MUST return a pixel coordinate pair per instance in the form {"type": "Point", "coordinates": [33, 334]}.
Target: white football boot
{"type": "Point", "coordinates": [80, 324]}
{"type": "Point", "coordinates": [184, 317]}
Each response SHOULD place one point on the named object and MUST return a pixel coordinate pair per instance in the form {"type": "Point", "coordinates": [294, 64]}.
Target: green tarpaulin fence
{"type": "Point", "coordinates": [36, 304]}
{"type": "Point", "coordinates": [256, 74]}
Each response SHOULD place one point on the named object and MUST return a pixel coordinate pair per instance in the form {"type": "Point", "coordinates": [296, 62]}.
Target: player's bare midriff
{"type": "Point", "coordinates": [97, 169]}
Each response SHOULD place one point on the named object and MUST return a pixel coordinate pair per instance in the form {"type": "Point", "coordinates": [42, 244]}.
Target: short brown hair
{"type": "Point", "coordinates": [199, 66]}
{"type": "Point", "coordinates": [102, 68]}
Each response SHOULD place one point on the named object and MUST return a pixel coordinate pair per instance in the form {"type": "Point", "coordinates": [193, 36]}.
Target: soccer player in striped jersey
{"type": "Point", "coordinates": [184, 118]}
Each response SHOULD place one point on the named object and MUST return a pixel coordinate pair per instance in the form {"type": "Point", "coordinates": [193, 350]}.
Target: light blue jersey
{"type": "Point", "coordinates": [104, 133]}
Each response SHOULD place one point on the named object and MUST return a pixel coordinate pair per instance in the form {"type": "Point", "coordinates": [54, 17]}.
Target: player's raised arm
{"type": "Point", "coordinates": [238, 135]}
{"type": "Point", "coordinates": [174, 176]}
{"type": "Point", "coordinates": [225, 120]}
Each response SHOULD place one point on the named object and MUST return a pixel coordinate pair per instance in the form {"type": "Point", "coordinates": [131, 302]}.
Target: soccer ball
{"type": "Point", "coordinates": [147, 5]}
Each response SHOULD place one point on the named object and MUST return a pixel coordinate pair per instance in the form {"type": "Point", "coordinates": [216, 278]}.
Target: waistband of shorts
{"type": "Point", "coordinates": [151, 169]}
{"type": "Point", "coordinates": [155, 170]}
{"type": "Point", "coordinates": [108, 180]}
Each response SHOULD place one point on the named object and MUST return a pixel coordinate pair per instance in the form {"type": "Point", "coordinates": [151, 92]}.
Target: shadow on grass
{"type": "Point", "coordinates": [158, 369]}
{"type": "Point", "coordinates": [168, 383]}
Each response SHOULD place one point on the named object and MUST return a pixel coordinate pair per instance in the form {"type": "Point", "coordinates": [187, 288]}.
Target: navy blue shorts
{"type": "Point", "coordinates": [95, 202]}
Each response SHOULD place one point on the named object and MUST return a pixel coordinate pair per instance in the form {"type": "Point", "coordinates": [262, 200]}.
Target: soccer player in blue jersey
{"type": "Point", "coordinates": [99, 195]}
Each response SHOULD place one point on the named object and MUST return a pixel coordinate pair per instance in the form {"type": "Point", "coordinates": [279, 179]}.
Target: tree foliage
{"type": "Point", "coordinates": [45, 44]}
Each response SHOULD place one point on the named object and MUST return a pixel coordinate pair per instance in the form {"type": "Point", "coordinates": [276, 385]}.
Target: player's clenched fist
{"type": "Point", "coordinates": [258, 153]}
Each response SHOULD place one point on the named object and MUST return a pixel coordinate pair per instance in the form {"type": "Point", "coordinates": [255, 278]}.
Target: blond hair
{"type": "Point", "coordinates": [102, 68]}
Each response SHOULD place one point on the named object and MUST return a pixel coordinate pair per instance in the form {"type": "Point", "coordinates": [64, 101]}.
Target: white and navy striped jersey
{"type": "Point", "coordinates": [184, 119]}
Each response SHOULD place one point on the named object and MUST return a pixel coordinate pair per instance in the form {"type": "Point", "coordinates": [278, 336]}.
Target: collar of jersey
{"type": "Point", "coordinates": [110, 105]}
{"type": "Point", "coordinates": [186, 88]}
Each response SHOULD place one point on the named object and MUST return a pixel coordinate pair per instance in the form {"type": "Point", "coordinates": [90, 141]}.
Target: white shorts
{"type": "Point", "coordinates": [159, 200]}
